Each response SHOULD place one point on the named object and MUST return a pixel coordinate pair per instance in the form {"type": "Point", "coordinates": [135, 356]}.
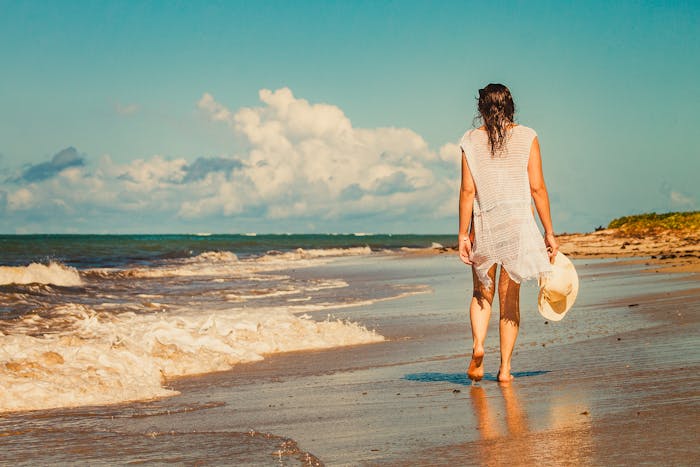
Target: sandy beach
{"type": "Point", "coordinates": [230, 232]}
{"type": "Point", "coordinates": [614, 383]}
{"type": "Point", "coordinates": [667, 250]}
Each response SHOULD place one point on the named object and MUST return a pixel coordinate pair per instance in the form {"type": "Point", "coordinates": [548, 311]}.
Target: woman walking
{"type": "Point", "coordinates": [501, 175]}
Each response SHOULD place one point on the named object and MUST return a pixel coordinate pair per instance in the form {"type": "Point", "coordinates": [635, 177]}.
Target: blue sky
{"type": "Point", "coordinates": [334, 116]}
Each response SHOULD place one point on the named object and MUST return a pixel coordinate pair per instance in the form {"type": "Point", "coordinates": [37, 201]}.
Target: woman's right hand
{"type": "Point", "coordinates": [465, 249]}
{"type": "Point", "coordinates": [552, 246]}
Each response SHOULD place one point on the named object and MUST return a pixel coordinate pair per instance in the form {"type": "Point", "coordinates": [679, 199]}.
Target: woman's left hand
{"type": "Point", "coordinates": [552, 246]}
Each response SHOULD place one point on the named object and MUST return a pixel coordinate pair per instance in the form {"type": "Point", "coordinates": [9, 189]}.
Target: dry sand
{"type": "Point", "coordinates": [665, 250]}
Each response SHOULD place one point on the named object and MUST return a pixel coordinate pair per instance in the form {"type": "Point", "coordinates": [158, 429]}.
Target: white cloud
{"type": "Point", "coordinates": [20, 199]}
{"type": "Point", "coordinates": [157, 172]}
{"type": "Point", "coordinates": [680, 199]}
{"type": "Point", "coordinates": [304, 162]}
{"type": "Point", "coordinates": [303, 156]}
{"type": "Point", "coordinates": [451, 153]}
{"type": "Point", "coordinates": [215, 111]}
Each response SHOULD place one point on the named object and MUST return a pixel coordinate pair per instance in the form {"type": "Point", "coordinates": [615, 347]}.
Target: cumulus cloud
{"type": "Point", "coordinates": [146, 175]}
{"type": "Point", "coordinates": [212, 109]}
{"type": "Point", "coordinates": [306, 158]}
{"type": "Point", "coordinates": [20, 199]}
{"type": "Point", "coordinates": [62, 160]}
{"type": "Point", "coordinates": [304, 161]}
{"type": "Point", "coordinates": [450, 154]}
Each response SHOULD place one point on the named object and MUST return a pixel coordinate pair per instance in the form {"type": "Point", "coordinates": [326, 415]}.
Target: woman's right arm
{"type": "Point", "coordinates": [467, 191]}
{"type": "Point", "coordinates": [538, 189]}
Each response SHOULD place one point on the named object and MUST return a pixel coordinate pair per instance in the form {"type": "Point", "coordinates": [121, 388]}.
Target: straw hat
{"type": "Point", "coordinates": [558, 291]}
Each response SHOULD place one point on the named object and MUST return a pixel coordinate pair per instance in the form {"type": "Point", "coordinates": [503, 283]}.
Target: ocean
{"type": "Point", "coordinates": [101, 319]}
{"type": "Point", "coordinates": [96, 334]}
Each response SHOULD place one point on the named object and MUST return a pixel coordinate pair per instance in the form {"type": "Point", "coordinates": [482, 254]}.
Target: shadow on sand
{"type": "Point", "coordinates": [461, 378]}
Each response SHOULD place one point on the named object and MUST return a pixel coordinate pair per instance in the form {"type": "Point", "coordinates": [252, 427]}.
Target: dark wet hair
{"type": "Point", "coordinates": [496, 109]}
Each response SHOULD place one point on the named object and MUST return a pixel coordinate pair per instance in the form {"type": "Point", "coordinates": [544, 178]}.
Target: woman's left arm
{"type": "Point", "coordinates": [538, 189]}
{"type": "Point", "coordinates": [466, 205]}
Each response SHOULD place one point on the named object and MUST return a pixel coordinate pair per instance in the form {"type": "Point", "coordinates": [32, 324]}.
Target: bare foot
{"type": "Point", "coordinates": [504, 376]}
{"type": "Point", "coordinates": [476, 367]}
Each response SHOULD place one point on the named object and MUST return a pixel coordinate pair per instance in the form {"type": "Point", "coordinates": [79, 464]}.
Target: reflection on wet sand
{"type": "Point", "coordinates": [507, 435]}
{"type": "Point", "coordinates": [488, 418]}
{"type": "Point", "coordinates": [516, 419]}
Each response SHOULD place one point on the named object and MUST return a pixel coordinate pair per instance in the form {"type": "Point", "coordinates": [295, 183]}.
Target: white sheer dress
{"type": "Point", "coordinates": [504, 225]}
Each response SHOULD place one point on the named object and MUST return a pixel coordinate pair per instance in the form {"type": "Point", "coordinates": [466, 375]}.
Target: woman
{"type": "Point", "coordinates": [501, 175]}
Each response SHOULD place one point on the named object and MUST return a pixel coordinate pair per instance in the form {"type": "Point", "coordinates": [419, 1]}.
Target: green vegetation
{"type": "Point", "coordinates": [653, 221]}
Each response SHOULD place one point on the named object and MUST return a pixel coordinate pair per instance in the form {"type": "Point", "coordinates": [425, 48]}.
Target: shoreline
{"type": "Point", "coordinates": [407, 400]}
{"type": "Point", "coordinates": [663, 250]}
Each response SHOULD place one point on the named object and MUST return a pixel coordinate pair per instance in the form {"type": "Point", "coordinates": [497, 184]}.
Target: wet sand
{"type": "Point", "coordinates": [615, 382]}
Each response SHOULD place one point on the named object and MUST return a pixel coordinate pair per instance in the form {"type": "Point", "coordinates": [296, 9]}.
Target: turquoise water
{"type": "Point", "coordinates": [90, 251]}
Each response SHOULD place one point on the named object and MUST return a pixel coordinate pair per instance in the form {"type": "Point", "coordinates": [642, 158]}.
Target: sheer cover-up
{"type": "Point", "coordinates": [503, 221]}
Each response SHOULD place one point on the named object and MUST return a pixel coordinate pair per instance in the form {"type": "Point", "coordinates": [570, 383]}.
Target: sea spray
{"type": "Point", "coordinates": [225, 263]}
{"type": "Point", "coordinates": [131, 326]}
{"type": "Point", "coordinates": [102, 358]}
{"type": "Point", "coordinates": [36, 273]}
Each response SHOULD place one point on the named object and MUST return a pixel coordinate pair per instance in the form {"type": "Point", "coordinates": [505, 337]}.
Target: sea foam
{"type": "Point", "coordinates": [315, 253]}
{"type": "Point", "coordinates": [226, 263]}
{"type": "Point", "coordinates": [102, 358]}
{"type": "Point", "coordinates": [36, 273]}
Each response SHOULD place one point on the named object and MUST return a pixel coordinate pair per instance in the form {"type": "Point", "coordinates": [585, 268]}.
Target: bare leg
{"type": "Point", "coordinates": [509, 324]}
{"type": "Point", "coordinates": [479, 312]}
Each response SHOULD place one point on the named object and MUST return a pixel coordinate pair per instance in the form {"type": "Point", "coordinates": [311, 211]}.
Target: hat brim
{"type": "Point", "coordinates": [556, 310]}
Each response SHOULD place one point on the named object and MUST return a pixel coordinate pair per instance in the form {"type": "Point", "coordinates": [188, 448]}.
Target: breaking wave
{"type": "Point", "coordinates": [36, 273]}
{"type": "Point", "coordinates": [120, 340]}
{"type": "Point", "coordinates": [92, 357]}
{"type": "Point", "coordinates": [226, 263]}
{"type": "Point", "coordinates": [301, 254]}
